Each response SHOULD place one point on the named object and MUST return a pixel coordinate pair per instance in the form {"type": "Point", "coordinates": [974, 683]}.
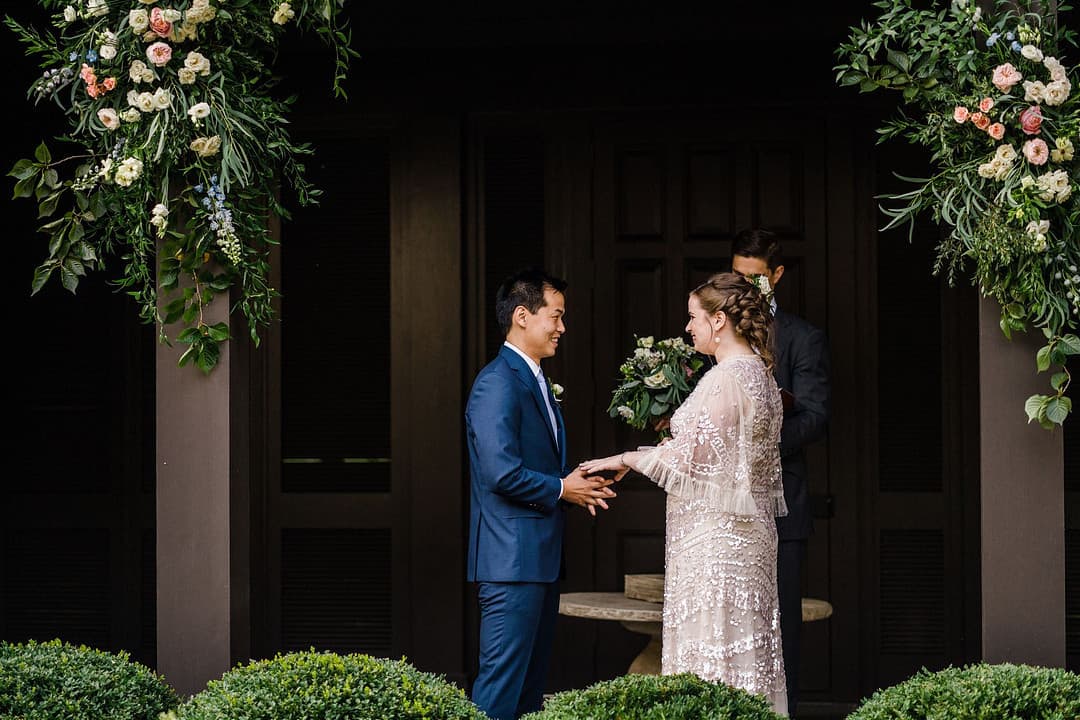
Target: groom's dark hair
{"type": "Point", "coordinates": [758, 243]}
{"type": "Point", "coordinates": [525, 287]}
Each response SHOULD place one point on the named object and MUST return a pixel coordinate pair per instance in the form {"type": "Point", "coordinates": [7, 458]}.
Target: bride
{"type": "Point", "coordinates": [721, 470]}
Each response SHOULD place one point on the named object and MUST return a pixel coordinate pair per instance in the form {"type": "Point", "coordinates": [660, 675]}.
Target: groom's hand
{"type": "Point", "coordinates": [588, 491]}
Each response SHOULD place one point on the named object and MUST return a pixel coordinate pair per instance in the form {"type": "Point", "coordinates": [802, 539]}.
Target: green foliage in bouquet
{"type": "Point", "coordinates": [327, 685]}
{"type": "Point", "coordinates": [656, 379]}
{"type": "Point", "coordinates": [991, 97]}
{"type": "Point", "coordinates": [976, 692]}
{"type": "Point", "coordinates": [656, 697]}
{"type": "Point", "coordinates": [58, 681]}
{"type": "Point", "coordinates": [175, 151]}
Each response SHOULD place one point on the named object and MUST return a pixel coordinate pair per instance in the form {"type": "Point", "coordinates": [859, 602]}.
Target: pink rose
{"type": "Point", "coordinates": [87, 74]}
{"type": "Point", "coordinates": [158, 24]}
{"type": "Point", "coordinates": [1031, 120]}
{"type": "Point", "coordinates": [1005, 76]}
{"type": "Point", "coordinates": [1036, 151]}
{"type": "Point", "coordinates": [985, 104]}
{"type": "Point", "coordinates": [996, 131]}
{"type": "Point", "coordinates": [980, 120]}
{"type": "Point", "coordinates": [960, 114]}
{"type": "Point", "coordinates": [94, 90]}
{"type": "Point", "coordinates": [159, 54]}
{"type": "Point", "coordinates": [109, 83]}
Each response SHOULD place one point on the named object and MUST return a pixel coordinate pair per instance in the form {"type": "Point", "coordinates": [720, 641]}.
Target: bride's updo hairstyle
{"type": "Point", "coordinates": [745, 307]}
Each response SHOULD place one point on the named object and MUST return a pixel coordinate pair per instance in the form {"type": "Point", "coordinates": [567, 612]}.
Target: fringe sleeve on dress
{"type": "Point", "coordinates": [710, 456]}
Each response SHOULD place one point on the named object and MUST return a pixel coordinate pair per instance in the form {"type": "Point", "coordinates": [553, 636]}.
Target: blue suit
{"type": "Point", "coordinates": [515, 532]}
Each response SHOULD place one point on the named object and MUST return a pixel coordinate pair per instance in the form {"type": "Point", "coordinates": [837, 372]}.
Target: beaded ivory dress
{"type": "Point", "coordinates": [721, 470]}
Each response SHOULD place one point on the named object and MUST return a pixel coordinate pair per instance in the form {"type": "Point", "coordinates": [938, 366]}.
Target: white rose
{"type": "Point", "coordinates": [171, 15]}
{"type": "Point", "coordinates": [108, 52]}
{"type": "Point", "coordinates": [1007, 153]}
{"type": "Point", "coordinates": [206, 146]}
{"type": "Point", "coordinates": [139, 20]}
{"type": "Point", "coordinates": [198, 112]}
{"type": "Point", "coordinates": [133, 98]}
{"type": "Point", "coordinates": [159, 210]}
{"type": "Point", "coordinates": [109, 118]}
{"type": "Point", "coordinates": [145, 102]}
{"type": "Point", "coordinates": [1033, 91]}
{"type": "Point", "coordinates": [148, 75]}
{"type": "Point", "coordinates": [162, 99]}
{"type": "Point", "coordinates": [646, 342]}
{"type": "Point", "coordinates": [1037, 227]}
{"type": "Point", "coordinates": [197, 62]}
{"type": "Point", "coordinates": [1002, 171]}
{"type": "Point", "coordinates": [1057, 92]}
{"type": "Point", "coordinates": [187, 77]}
{"type": "Point", "coordinates": [657, 381]}
{"type": "Point", "coordinates": [131, 115]}
{"type": "Point", "coordinates": [1027, 181]}
{"type": "Point", "coordinates": [987, 170]}
{"type": "Point", "coordinates": [625, 411]}
{"type": "Point", "coordinates": [1064, 194]}
{"type": "Point", "coordinates": [69, 14]}
{"type": "Point", "coordinates": [1047, 187]}
{"type": "Point", "coordinates": [283, 14]}
{"type": "Point", "coordinates": [96, 8]}
{"type": "Point", "coordinates": [1032, 53]}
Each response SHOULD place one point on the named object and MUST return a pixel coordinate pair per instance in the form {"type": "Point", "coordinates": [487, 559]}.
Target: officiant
{"type": "Point", "coordinates": [801, 370]}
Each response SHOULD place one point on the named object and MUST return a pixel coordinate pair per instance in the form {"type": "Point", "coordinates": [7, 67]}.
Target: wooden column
{"type": "Point", "coordinates": [428, 409]}
{"type": "Point", "coordinates": [1022, 500]}
{"type": "Point", "coordinates": [202, 514]}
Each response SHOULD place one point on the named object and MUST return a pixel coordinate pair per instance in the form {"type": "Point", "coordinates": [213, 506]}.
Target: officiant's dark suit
{"type": "Point", "coordinates": [801, 367]}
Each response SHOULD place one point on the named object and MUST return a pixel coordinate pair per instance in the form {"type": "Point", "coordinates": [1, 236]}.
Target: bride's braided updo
{"type": "Point", "coordinates": [745, 306]}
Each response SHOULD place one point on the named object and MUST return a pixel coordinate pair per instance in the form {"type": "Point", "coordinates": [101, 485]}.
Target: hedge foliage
{"type": "Point", "coordinates": [656, 697]}
{"type": "Point", "coordinates": [978, 692]}
{"type": "Point", "coordinates": [58, 681]}
{"type": "Point", "coordinates": [329, 687]}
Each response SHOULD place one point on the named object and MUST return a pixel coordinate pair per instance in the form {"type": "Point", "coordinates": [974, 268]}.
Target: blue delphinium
{"type": "Point", "coordinates": [992, 40]}
{"type": "Point", "coordinates": [220, 219]}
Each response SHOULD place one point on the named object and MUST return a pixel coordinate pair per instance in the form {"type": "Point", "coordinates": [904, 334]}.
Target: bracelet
{"type": "Point", "coordinates": [622, 459]}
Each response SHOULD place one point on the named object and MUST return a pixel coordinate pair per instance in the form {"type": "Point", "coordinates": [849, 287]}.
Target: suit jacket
{"type": "Point", "coordinates": [801, 366]}
{"type": "Point", "coordinates": [515, 517]}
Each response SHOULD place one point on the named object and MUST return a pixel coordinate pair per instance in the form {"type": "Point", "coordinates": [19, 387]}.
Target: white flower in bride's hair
{"type": "Point", "coordinates": [762, 283]}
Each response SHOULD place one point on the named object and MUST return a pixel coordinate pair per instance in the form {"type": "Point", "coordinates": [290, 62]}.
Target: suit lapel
{"type": "Point", "coordinates": [525, 376]}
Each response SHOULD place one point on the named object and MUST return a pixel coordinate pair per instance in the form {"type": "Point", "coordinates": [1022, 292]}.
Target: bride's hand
{"type": "Point", "coordinates": [609, 463]}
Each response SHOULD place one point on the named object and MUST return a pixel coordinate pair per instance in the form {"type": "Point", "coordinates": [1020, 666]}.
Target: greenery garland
{"type": "Point", "coordinates": [175, 151]}
{"type": "Point", "coordinates": [994, 102]}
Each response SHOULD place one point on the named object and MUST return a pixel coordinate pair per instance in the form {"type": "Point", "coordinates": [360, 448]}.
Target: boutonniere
{"type": "Point", "coordinates": [556, 391]}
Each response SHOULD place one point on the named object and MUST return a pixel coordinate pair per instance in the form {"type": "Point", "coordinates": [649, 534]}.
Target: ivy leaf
{"type": "Point", "coordinates": [42, 154]}
{"type": "Point", "coordinates": [41, 276]}
{"type": "Point", "coordinates": [1042, 358]}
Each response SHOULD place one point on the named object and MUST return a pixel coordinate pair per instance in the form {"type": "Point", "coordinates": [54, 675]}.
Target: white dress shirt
{"type": "Point", "coordinates": [544, 392]}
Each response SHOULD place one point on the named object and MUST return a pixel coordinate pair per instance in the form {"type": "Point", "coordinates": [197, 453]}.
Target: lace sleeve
{"type": "Point", "coordinates": [710, 455]}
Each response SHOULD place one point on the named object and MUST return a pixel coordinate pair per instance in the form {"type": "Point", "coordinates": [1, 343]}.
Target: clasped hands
{"type": "Point", "coordinates": [585, 488]}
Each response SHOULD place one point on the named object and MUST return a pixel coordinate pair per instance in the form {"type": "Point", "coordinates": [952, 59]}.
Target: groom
{"type": "Point", "coordinates": [517, 454]}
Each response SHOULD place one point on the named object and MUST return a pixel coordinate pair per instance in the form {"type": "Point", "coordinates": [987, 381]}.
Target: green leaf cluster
{"type": "Point", "coordinates": [656, 697]}
{"type": "Point", "coordinates": [942, 60]}
{"type": "Point", "coordinates": [91, 215]}
{"type": "Point", "coordinates": [978, 692]}
{"type": "Point", "coordinates": [327, 685]}
{"type": "Point", "coordinates": [58, 681]}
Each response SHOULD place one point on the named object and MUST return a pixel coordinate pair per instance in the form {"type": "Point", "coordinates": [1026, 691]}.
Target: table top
{"type": "Point", "coordinates": [616, 606]}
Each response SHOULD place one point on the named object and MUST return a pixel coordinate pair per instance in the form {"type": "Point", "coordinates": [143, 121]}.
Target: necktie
{"type": "Point", "coordinates": [547, 401]}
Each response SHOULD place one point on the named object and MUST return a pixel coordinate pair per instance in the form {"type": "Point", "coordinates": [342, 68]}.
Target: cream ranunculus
{"type": "Point", "coordinates": [1057, 70]}
{"type": "Point", "coordinates": [139, 20]}
{"type": "Point", "coordinates": [108, 52]}
{"type": "Point", "coordinates": [162, 99]}
{"type": "Point", "coordinates": [128, 172]}
{"type": "Point", "coordinates": [109, 118]}
{"type": "Point", "coordinates": [206, 146]}
{"type": "Point", "coordinates": [1006, 153]}
{"type": "Point", "coordinates": [145, 102]}
{"type": "Point", "coordinates": [198, 112]}
{"type": "Point", "coordinates": [131, 115]}
{"type": "Point", "coordinates": [1034, 91]}
{"type": "Point", "coordinates": [187, 77]}
{"type": "Point", "coordinates": [133, 98]}
{"type": "Point", "coordinates": [136, 70]}
{"type": "Point", "coordinates": [1057, 92]}
{"type": "Point", "coordinates": [283, 14]}
{"type": "Point", "coordinates": [197, 62]}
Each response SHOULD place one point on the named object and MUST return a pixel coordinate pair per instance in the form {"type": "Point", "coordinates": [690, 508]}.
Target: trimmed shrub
{"type": "Point", "coordinates": [977, 692]}
{"type": "Point", "coordinates": [326, 685]}
{"type": "Point", "coordinates": [55, 680]}
{"type": "Point", "coordinates": [656, 697]}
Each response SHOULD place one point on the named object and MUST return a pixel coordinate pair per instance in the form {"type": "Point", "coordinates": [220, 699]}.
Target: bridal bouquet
{"type": "Point", "coordinates": [994, 102]}
{"type": "Point", "coordinates": [656, 379]}
{"type": "Point", "coordinates": [175, 150]}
